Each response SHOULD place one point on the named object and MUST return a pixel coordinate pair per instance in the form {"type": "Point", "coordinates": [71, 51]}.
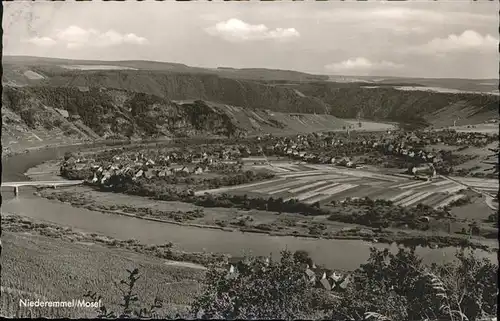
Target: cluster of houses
{"type": "Point", "coordinates": [410, 152]}
{"type": "Point", "coordinates": [450, 137]}
{"type": "Point", "coordinates": [319, 149]}
{"type": "Point", "coordinates": [328, 280]}
{"type": "Point", "coordinates": [139, 164]}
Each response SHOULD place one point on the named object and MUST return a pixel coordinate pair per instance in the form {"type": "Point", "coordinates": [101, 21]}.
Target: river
{"type": "Point", "coordinates": [338, 254]}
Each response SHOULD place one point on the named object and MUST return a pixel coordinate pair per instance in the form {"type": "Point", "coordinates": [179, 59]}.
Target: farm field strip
{"type": "Point", "coordinates": [318, 167]}
{"type": "Point", "coordinates": [324, 176]}
{"type": "Point", "coordinates": [354, 174]}
{"type": "Point", "coordinates": [335, 178]}
{"type": "Point", "coordinates": [277, 187]}
{"type": "Point", "coordinates": [228, 188]}
{"type": "Point", "coordinates": [487, 189]}
{"type": "Point", "coordinates": [400, 196]}
{"type": "Point", "coordinates": [441, 183]}
{"type": "Point", "coordinates": [304, 173]}
{"type": "Point", "coordinates": [453, 189]}
{"type": "Point", "coordinates": [435, 200]}
{"type": "Point", "coordinates": [282, 169]}
{"type": "Point", "coordinates": [279, 169]}
{"type": "Point", "coordinates": [472, 181]}
{"type": "Point", "coordinates": [291, 167]}
{"type": "Point", "coordinates": [375, 184]}
{"type": "Point", "coordinates": [346, 179]}
{"type": "Point", "coordinates": [303, 188]}
{"type": "Point", "coordinates": [385, 178]}
{"type": "Point", "coordinates": [428, 188]}
{"type": "Point", "coordinates": [325, 180]}
{"type": "Point", "coordinates": [274, 167]}
{"type": "Point", "coordinates": [404, 184]}
{"type": "Point", "coordinates": [365, 174]}
{"type": "Point", "coordinates": [421, 197]}
{"type": "Point", "coordinates": [403, 176]}
{"type": "Point", "coordinates": [480, 185]}
{"type": "Point", "coordinates": [448, 200]}
{"type": "Point", "coordinates": [337, 189]}
{"type": "Point", "coordinates": [415, 185]}
{"type": "Point", "coordinates": [409, 198]}
{"type": "Point", "coordinates": [329, 193]}
{"type": "Point", "coordinates": [303, 196]}
{"type": "Point", "coordinates": [279, 191]}
{"type": "Point", "coordinates": [295, 168]}
{"type": "Point", "coordinates": [253, 159]}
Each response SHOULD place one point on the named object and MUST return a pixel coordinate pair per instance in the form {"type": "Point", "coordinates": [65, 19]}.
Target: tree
{"type": "Point", "coordinates": [302, 256]}
{"type": "Point", "coordinates": [258, 289]}
{"type": "Point", "coordinates": [400, 287]}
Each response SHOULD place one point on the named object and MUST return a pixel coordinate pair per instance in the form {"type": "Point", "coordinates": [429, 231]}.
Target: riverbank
{"type": "Point", "coordinates": [251, 221]}
{"type": "Point", "coordinates": [19, 224]}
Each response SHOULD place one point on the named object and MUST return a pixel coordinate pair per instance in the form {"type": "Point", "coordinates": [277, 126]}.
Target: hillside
{"type": "Point", "coordinates": [173, 86]}
{"type": "Point", "coordinates": [345, 100]}
{"type": "Point", "coordinates": [411, 107]}
{"type": "Point", "coordinates": [56, 100]}
{"type": "Point", "coordinates": [34, 116]}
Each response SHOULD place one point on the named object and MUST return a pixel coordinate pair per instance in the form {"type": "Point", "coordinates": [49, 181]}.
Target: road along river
{"type": "Point", "coordinates": [339, 254]}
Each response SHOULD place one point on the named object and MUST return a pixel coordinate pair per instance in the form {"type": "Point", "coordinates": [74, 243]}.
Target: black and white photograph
{"type": "Point", "coordinates": [250, 160]}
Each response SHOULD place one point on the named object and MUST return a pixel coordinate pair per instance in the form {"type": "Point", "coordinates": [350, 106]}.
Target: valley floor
{"type": "Point", "coordinates": [287, 224]}
{"type": "Point", "coordinates": [58, 269]}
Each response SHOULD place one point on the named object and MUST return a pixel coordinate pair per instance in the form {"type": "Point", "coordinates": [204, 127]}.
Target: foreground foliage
{"type": "Point", "coordinates": [258, 289]}
{"type": "Point", "coordinates": [389, 286]}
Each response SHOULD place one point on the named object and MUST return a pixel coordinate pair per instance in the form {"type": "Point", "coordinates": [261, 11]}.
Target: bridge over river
{"type": "Point", "coordinates": [53, 184]}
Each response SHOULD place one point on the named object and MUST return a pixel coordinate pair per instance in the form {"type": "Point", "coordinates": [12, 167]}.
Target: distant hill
{"type": "Point", "coordinates": [246, 73]}
{"type": "Point", "coordinates": [259, 100]}
{"type": "Point", "coordinates": [169, 85]}
{"type": "Point", "coordinates": [480, 85]}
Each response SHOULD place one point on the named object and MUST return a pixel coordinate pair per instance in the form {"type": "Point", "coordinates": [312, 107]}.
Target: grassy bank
{"type": "Point", "coordinates": [45, 267]}
{"type": "Point", "coordinates": [255, 221]}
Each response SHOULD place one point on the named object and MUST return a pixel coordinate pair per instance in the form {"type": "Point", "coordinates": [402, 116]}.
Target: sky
{"type": "Point", "coordinates": [443, 39]}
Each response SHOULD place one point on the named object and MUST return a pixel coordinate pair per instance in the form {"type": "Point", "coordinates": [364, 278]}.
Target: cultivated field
{"type": "Point", "coordinates": [325, 183]}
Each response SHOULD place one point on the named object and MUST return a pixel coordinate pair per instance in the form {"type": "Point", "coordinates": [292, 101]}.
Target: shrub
{"type": "Point", "coordinates": [130, 299]}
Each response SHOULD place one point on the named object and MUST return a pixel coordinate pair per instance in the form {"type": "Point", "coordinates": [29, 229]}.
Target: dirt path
{"type": "Point", "coordinates": [186, 265]}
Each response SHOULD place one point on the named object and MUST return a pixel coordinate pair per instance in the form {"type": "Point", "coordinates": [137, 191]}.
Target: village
{"type": "Point", "coordinates": [353, 150]}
